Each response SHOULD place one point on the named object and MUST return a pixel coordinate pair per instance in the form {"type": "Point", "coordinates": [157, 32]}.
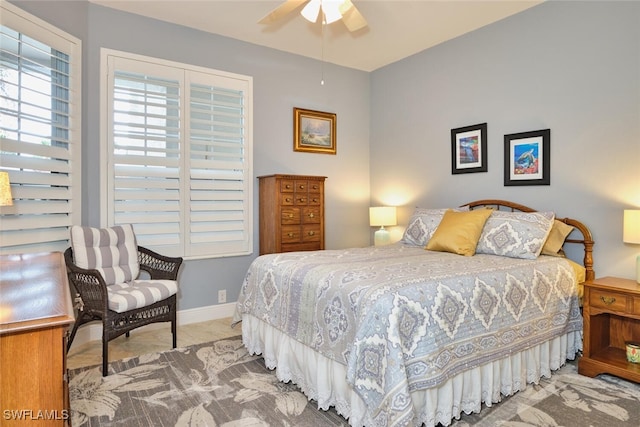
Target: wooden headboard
{"type": "Point", "coordinates": [584, 239]}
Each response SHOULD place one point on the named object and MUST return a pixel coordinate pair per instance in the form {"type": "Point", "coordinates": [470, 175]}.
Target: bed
{"type": "Point", "coordinates": [400, 335]}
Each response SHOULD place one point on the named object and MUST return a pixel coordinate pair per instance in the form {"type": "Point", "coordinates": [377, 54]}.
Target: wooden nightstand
{"type": "Point", "coordinates": [611, 311]}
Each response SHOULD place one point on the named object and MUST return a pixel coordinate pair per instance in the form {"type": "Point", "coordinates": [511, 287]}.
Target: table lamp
{"type": "Point", "coordinates": [381, 216]}
{"type": "Point", "coordinates": [6, 199]}
{"type": "Point", "coordinates": [631, 233]}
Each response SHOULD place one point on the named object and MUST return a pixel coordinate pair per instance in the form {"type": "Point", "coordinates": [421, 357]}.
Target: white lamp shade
{"type": "Point", "coordinates": [382, 215]}
{"type": "Point", "coordinates": [6, 199]}
{"type": "Point", "coordinates": [631, 226]}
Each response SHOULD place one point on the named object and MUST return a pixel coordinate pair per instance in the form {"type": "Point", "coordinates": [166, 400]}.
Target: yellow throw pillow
{"type": "Point", "coordinates": [557, 236]}
{"type": "Point", "coordinates": [459, 232]}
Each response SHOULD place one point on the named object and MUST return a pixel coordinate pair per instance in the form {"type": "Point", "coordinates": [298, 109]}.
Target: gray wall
{"type": "Point", "coordinates": [572, 67]}
{"type": "Point", "coordinates": [281, 81]}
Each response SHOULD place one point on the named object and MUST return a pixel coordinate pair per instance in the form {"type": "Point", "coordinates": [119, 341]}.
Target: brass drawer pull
{"type": "Point", "coordinates": [290, 234]}
{"type": "Point", "coordinates": [302, 199]}
{"type": "Point", "coordinates": [290, 215]}
{"type": "Point", "coordinates": [311, 233]}
{"type": "Point", "coordinates": [311, 215]}
{"type": "Point", "coordinates": [287, 186]}
{"type": "Point", "coordinates": [608, 300]}
{"type": "Point", "coordinates": [288, 200]}
{"type": "Point", "coordinates": [302, 187]}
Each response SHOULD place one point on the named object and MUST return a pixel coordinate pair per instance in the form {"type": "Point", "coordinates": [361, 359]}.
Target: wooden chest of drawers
{"type": "Point", "coordinates": [291, 213]}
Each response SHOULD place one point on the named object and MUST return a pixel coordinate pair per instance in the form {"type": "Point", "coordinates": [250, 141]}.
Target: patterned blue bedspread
{"type": "Point", "coordinates": [404, 319]}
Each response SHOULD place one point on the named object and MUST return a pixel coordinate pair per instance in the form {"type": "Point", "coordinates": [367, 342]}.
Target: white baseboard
{"type": "Point", "coordinates": [93, 331]}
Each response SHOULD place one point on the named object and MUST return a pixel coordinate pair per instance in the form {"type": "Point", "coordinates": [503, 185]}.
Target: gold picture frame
{"type": "Point", "coordinates": [314, 131]}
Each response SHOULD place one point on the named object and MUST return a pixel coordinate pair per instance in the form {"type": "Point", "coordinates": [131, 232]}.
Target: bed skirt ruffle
{"type": "Point", "coordinates": [324, 380]}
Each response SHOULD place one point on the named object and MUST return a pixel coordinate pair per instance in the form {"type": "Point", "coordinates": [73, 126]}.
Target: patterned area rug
{"type": "Point", "coordinates": [220, 384]}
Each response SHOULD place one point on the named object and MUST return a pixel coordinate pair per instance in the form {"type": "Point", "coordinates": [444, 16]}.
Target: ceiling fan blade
{"type": "Point", "coordinates": [352, 17]}
{"type": "Point", "coordinates": [281, 11]}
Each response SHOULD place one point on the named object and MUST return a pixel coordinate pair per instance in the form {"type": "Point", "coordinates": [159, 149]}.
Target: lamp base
{"type": "Point", "coordinates": [382, 237]}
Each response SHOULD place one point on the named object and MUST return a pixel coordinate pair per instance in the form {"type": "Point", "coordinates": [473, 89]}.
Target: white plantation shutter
{"type": "Point", "coordinates": [180, 156]}
{"type": "Point", "coordinates": [219, 173]}
{"type": "Point", "coordinates": [39, 132]}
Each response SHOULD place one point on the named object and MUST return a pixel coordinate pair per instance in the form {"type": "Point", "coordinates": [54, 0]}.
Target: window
{"type": "Point", "coordinates": [178, 150]}
{"type": "Point", "coordinates": [39, 132]}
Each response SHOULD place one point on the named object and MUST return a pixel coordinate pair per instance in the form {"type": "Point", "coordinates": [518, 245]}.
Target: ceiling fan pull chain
{"type": "Point", "coordinates": [322, 24]}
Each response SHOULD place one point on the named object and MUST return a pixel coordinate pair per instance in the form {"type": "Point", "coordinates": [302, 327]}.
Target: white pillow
{"type": "Point", "coordinates": [515, 234]}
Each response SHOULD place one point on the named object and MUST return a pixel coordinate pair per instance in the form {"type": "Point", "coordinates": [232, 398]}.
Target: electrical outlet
{"type": "Point", "coordinates": [222, 296]}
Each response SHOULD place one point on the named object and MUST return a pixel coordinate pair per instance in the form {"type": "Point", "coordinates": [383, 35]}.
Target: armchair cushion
{"type": "Point", "coordinates": [139, 293]}
{"type": "Point", "coordinates": [112, 251]}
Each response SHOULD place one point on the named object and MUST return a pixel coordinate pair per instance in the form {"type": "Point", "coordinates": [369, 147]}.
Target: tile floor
{"type": "Point", "coordinates": [150, 339]}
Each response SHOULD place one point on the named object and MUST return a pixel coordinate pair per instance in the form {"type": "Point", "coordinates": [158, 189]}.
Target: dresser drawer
{"type": "Point", "coordinates": [302, 185]}
{"type": "Point", "coordinates": [287, 186]}
{"type": "Point", "coordinates": [311, 215]}
{"type": "Point", "coordinates": [289, 216]}
{"type": "Point", "coordinates": [291, 234]}
{"type": "Point", "coordinates": [608, 300]}
{"type": "Point", "coordinates": [287, 199]}
{"type": "Point", "coordinates": [311, 233]}
{"type": "Point", "coordinates": [301, 199]}
{"type": "Point", "coordinates": [302, 246]}
{"type": "Point", "coordinates": [315, 187]}
{"type": "Point", "coordinates": [315, 199]}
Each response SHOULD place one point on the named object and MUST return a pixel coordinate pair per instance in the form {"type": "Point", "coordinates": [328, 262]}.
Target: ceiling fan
{"type": "Point", "coordinates": [328, 10]}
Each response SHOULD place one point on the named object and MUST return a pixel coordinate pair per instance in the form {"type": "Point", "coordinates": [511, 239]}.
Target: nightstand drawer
{"type": "Point", "coordinates": [608, 300]}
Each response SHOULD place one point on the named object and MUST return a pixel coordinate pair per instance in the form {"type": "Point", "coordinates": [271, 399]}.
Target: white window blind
{"type": "Point", "coordinates": [39, 132]}
{"type": "Point", "coordinates": [180, 148]}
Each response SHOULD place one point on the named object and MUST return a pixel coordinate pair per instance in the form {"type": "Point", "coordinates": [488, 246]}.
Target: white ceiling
{"type": "Point", "coordinates": [397, 28]}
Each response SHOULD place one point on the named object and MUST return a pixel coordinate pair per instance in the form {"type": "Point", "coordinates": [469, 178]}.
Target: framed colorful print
{"type": "Point", "coordinates": [526, 158]}
{"type": "Point", "coordinates": [469, 149]}
{"type": "Point", "coordinates": [314, 131]}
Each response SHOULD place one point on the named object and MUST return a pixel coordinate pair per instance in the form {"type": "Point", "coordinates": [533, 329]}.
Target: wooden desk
{"type": "Point", "coordinates": [35, 314]}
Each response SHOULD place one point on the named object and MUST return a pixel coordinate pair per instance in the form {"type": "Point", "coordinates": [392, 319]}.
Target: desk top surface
{"type": "Point", "coordinates": [34, 292]}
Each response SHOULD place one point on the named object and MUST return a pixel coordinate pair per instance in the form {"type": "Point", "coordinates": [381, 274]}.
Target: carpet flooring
{"type": "Point", "coordinates": [220, 384]}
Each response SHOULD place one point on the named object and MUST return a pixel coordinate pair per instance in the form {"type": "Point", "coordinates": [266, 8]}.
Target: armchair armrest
{"type": "Point", "coordinates": [88, 284]}
{"type": "Point", "coordinates": [158, 266]}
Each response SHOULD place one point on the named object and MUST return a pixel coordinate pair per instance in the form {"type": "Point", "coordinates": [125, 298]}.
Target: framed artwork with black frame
{"type": "Point", "coordinates": [469, 149]}
{"type": "Point", "coordinates": [527, 158]}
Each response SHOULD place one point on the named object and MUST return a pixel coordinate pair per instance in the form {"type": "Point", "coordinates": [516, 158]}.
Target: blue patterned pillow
{"type": "Point", "coordinates": [423, 223]}
{"type": "Point", "coordinates": [515, 234]}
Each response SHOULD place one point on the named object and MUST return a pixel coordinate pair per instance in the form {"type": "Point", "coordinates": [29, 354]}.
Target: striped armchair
{"type": "Point", "coordinates": [107, 269]}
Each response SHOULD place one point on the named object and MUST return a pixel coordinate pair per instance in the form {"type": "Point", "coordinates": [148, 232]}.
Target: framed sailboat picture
{"type": "Point", "coordinates": [314, 131]}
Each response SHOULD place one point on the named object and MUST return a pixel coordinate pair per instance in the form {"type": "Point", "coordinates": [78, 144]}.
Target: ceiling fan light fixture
{"type": "Point", "coordinates": [331, 11]}
{"type": "Point", "coordinates": [311, 10]}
